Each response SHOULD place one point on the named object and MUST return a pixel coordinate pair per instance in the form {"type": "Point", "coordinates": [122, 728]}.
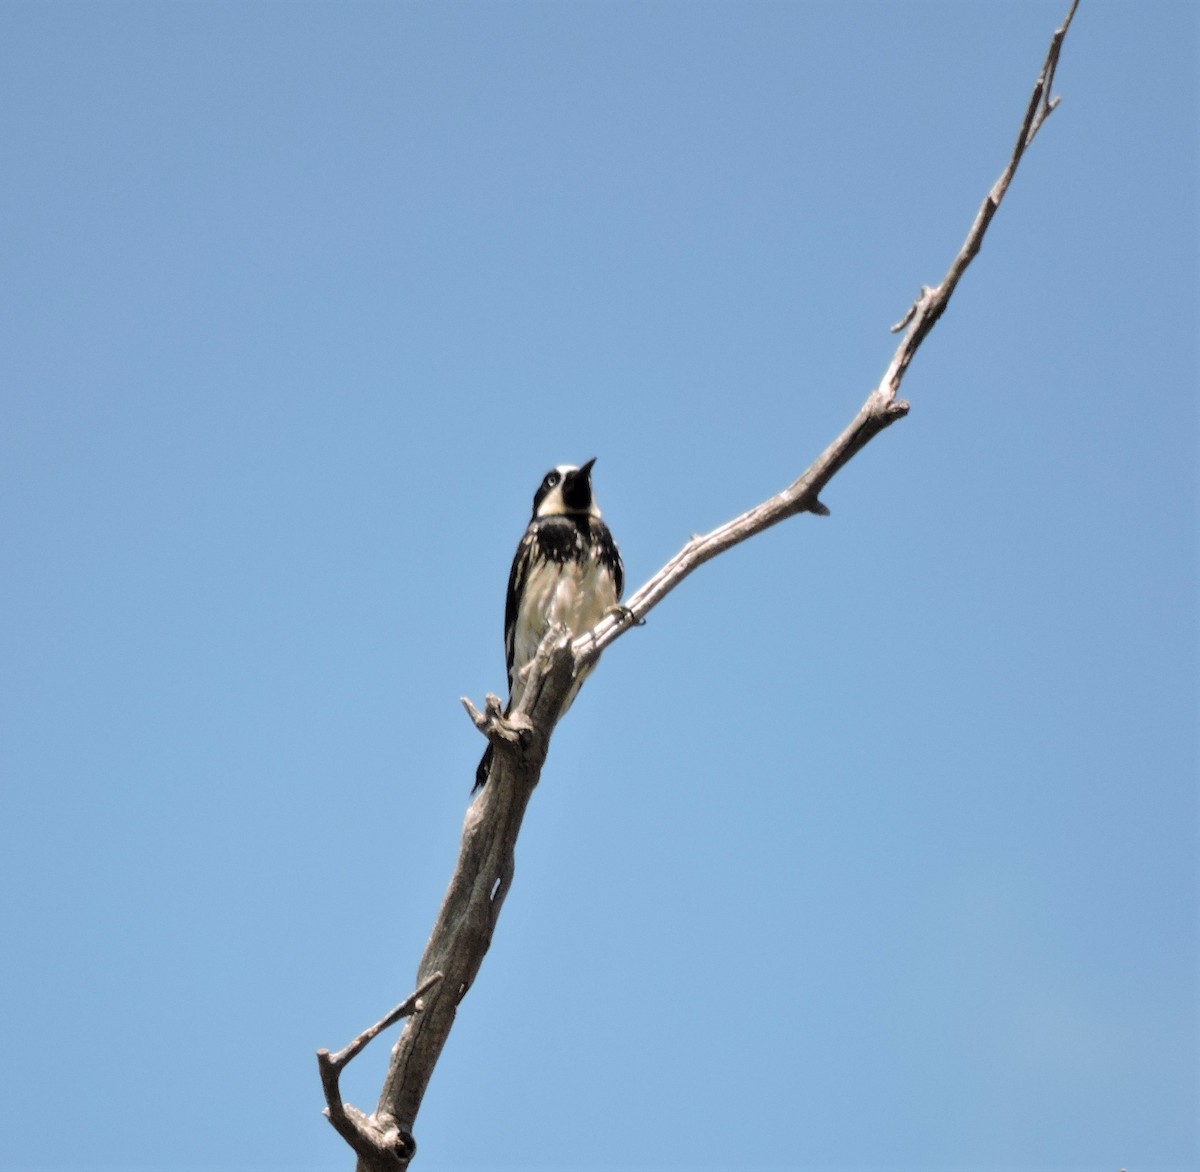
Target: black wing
{"type": "Point", "coordinates": [517, 577]}
{"type": "Point", "coordinates": [609, 555]}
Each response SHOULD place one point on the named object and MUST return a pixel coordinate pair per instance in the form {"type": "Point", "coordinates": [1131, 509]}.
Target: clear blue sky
{"type": "Point", "coordinates": [875, 849]}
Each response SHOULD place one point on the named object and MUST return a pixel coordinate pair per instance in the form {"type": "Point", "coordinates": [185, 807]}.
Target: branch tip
{"type": "Point", "coordinates": [902, 324]}
{"type": "Point", "coordinates": [477, 717]}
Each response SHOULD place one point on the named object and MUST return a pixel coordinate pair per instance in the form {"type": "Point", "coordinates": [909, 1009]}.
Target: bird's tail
{"type": "Point", "coordinates": [483, 769]}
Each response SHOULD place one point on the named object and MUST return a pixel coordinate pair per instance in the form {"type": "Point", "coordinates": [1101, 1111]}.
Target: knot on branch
{"type": "Point", "coordinates": [397, 1148]}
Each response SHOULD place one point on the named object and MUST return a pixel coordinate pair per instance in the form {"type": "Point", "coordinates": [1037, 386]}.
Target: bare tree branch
{"type": "Point", "coordinates": [881, 409]}
{"type": "Point", "coordinates": [463, 931]}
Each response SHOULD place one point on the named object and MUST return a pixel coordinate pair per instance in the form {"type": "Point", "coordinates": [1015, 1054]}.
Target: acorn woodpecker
{"type": "Point", "coordinates": [566, 570]}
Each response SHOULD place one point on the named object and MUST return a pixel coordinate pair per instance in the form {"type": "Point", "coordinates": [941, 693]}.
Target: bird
{"type": "Point", "coordinates": [567, 569]}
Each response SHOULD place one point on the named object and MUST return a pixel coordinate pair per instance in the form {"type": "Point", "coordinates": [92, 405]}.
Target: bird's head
{"type": "Point", "coordinates": [566, 489]}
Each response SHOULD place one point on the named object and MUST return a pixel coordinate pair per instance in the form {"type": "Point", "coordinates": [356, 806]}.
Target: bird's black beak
{"type": "Point", "coordinates": [577, 487]}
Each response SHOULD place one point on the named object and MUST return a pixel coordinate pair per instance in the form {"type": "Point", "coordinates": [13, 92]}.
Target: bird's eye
{"type": "Point", "coordinates": [552, 479]}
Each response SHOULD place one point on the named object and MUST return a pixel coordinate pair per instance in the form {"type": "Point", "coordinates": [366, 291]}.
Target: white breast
{"type": "Point", "coordinates": [573, 593]}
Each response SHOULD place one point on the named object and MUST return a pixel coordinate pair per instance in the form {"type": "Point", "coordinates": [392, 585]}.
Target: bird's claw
{"type": "Point", "coordinates": [623, 614]}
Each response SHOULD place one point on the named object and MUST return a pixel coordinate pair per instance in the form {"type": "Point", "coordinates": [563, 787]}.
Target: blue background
{"type": "Point", "coordinates": [874, 849]}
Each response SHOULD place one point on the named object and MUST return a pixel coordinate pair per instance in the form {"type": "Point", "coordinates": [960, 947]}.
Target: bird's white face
{"type": "Point", "coordinates": [550, 501]}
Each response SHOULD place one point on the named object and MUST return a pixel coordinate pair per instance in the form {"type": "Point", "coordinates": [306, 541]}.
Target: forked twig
{"type": "Point", "coordinates": [360, 1131]}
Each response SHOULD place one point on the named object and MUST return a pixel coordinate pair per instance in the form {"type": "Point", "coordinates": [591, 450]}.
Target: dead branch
{"type": "Point", "coordinates": [881, 409]}
{"type": "Point", "coordinates": [463, 931]}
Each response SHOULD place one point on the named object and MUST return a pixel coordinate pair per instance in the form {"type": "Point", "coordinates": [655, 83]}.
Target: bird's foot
{"type": "Point", "coordinates": [624, 614]}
